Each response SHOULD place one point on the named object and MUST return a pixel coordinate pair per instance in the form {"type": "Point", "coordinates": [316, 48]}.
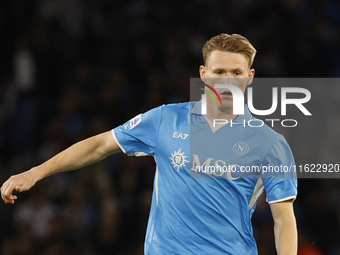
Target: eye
{"type": "Point", "coordinates": [237, 73]}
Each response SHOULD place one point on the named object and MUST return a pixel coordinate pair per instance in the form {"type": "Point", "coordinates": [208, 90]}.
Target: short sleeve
{"type": "Point", "coordinates": [139, 136]}
{"type": "Point", "coordinates": [279, 173]}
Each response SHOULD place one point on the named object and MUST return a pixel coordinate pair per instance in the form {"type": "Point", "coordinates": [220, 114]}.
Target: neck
{"type": "Point", "coordinates": [214, 112]}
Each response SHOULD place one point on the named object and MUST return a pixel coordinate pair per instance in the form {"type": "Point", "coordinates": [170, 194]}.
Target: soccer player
{"type": "Point", "coordinates": [193, 212]}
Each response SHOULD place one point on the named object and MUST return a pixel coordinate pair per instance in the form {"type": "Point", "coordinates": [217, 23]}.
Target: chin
{"type": "Point", "coordinates": [225, 108]}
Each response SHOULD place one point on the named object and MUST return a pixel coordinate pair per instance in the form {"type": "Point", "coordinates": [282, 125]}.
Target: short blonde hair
{"type": "Point", "coordinates": [232, 43]}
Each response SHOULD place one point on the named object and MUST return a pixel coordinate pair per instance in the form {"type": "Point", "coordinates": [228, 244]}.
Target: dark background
{"type": "Point", "coordinates": [70, 69]}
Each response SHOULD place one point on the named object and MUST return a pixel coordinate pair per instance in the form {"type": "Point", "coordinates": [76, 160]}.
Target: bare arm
{"type": "Point", "coordinates": [285, 229]}
{"type": "Point", "coordinates": [81, 154]}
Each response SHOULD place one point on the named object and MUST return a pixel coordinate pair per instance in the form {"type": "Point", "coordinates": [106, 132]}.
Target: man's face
{"type": "Point", "coordinates": [226, 68]}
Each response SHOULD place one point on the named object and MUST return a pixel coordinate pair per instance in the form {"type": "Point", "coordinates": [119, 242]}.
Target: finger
{"type": "Point", "coordinates": [11, 199]}
{"type": "Point", "coordinates": [3, 189]}
{"type": "Point", "coordinates": [7, 199]}
{"type": "Point", "coordinates": [8, 193]}
{"type": "Point", "coordinates": [2, 193]}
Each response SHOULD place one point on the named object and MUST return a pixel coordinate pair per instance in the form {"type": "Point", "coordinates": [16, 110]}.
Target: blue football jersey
{"type": "Point", "coordinates": [208, 179]}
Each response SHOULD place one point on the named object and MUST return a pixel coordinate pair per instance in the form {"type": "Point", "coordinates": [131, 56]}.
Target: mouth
{"type": "Point", "coordinates": [226, 94]}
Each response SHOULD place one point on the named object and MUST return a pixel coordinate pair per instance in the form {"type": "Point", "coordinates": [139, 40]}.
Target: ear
{"type": "Point", "coordinates": [202, 71]}
{"type": "Point", "coordinates": [251, 74]}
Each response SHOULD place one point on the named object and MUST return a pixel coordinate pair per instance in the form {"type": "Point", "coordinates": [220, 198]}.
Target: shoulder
{"type": "Point", "coordinates": [263, 131]}
{"type": "Point", "coordinates": [177, 106]}
{"type": "Point", "coordinates": [167, 113]}
{"type": "Point", "coordinates": [174, 109]}
{"type": "Point", "coordinates": [167, 108]}
{"type": "Point", "coordinates": [267, 140]}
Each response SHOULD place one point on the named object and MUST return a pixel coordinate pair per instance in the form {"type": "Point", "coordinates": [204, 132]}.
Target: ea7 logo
{"type": "Point", "coordinates": [180, 135]}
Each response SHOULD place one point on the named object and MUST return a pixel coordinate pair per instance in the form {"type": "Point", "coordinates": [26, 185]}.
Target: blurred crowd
{"type": "Point", "coordinates": [70, 69]}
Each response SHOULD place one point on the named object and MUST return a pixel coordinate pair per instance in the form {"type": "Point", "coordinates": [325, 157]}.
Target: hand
{"type": "Point", "coordinates": [20, 182]}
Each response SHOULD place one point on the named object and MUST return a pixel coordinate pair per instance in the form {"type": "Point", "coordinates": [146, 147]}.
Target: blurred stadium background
{"type": "Point", "coordinates": [73, 68]}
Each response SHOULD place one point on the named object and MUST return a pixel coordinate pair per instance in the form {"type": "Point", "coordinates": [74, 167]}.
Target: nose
{"type": "Point", "coordinates": [227, 78]}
